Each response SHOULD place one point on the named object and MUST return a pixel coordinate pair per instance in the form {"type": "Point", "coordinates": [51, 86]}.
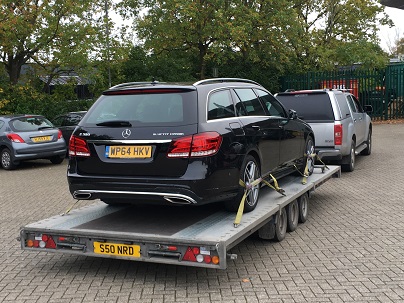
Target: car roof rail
{"type": "Point", "coordinates": [220, 80]}
{"type": "Point", "coordinates": [134, 83]}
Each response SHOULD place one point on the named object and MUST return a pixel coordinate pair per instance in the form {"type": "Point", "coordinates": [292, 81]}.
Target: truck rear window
{"type": "Point", "coordinates": [309, 107]}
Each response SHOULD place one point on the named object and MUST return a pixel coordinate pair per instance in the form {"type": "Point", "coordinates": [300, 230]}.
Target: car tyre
{"type": "Point", "coordinates": [249, 172]}
{"type": "Point", "coordinates": [368, 150]}
{"type": "Point", "coordinates": [308, 150]}
{"type": "Point", "coordinates": [56, 159]}
{"type": "Point", "coordinates": [350, 166]}
{"type": "Point", "coordinates": [7, 159]}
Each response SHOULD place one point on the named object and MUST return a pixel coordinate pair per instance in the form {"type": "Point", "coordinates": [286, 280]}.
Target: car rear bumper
{"type": "Point", "coordinates": [160, 191]}
{"type": "Point", "coordinates": [39, 154]}
{"type": "Point", "coordinates": [329, 154]}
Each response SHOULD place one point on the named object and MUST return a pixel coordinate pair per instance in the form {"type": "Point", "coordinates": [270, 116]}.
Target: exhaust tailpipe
{"type": "Point", "coordinates": [177, 200]}
{"type": "Point", "coordinates": [82, 196]}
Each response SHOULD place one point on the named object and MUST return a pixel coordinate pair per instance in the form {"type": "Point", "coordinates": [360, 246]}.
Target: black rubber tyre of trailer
{"type": "Point", "coordinates": [303, 203]}
{"type": "Point", "coordinates": [281, 225]}
{"type": "Point", "coordinates": [292, 211]}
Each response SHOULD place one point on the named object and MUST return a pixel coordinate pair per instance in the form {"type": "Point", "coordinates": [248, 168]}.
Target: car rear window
{"type": "Point", "coordinates": [310, 107]}
{"type": "Point", "coordinates": [26, 124]}
{"type": "Point", "coordinates": [174, 108]}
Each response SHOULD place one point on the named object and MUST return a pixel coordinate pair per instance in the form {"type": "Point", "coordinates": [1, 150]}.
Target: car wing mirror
{"type": "Point", "coordinates": [292, 114]}
{"type": "Point", "coordinates": [369, 109]}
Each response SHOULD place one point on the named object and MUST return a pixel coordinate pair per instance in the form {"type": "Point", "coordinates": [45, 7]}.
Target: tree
{"type": "Point", "coordinates": [339, 32]}
{"type": "Point", "coordinates": [55, 34]}
{"type": "Point", "coordinates": [216, 29]}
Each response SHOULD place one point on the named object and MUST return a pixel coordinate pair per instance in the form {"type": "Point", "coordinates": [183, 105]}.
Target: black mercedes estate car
{"type": "Point", "coordinates": [188, 144]}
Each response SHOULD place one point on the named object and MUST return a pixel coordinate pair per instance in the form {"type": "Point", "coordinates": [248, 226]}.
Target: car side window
{"type": "Point", "coordinates": [352, 104]}
{"type": "Point", "coordinates": [220, 105]}
{"type": "Point", "coordinates": [72, 120]}
{"type": "Point", "coordinates": [1, 124]}
{"type": "Point", "coordinates": [58, 121]}
{"type": "Point", "coordinates": [358, 105]}
{"type": "Point", "coordinates": [251, 102]}
{"type": "Point", "coordinates": [273, 105]}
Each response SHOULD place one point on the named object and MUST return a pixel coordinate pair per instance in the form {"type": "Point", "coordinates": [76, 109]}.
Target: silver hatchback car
{"type": "Point", "coordinates": [29, 137]}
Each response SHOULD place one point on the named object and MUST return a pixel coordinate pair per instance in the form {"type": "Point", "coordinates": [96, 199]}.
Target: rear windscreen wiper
{"type": "Point", "coordinates": [114, 123]}
{"type": "Point", "coordinates": [44, 127]}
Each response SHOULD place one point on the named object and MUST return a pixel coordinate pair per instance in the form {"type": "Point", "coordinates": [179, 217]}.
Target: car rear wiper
{"type": "Point", "coordinates": [114, 123]}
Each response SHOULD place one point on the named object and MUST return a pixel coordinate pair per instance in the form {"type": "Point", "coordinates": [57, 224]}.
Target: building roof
{"type": "Point", "coordinates": [65, 80]}
{"type": "Point", "coordinates": [393, 3]}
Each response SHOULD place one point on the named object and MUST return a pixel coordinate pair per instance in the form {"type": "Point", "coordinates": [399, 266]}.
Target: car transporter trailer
{"type": "Point", "coordinates": [192, 236]}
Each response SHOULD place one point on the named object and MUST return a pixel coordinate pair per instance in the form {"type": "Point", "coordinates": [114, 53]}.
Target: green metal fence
{"type": "Point", "coordinates": [383, 89]}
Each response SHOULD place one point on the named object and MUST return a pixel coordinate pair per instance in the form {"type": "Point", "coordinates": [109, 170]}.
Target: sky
{"type": "Point", "coordinates": [388, 35]}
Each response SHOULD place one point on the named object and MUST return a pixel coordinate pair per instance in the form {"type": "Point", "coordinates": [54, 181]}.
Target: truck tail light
{"type": "Point", "coordinates": [199, 145]}
{"type": "Point", "coordinates": [78, 147]}
{"type": "Point", "coordinates": [338, 134]}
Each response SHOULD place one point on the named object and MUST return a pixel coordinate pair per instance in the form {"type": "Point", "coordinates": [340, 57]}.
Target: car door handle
{"type": "Point", "coordinates": [256, 127]}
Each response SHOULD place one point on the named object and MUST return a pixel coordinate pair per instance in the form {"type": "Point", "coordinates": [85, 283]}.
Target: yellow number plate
{"type": "Point", "coordinates": [41, 139]}
{"type": "Point", "coordinates": [115, 249]}
{"type": "Point", "coordinates": [128, 151]}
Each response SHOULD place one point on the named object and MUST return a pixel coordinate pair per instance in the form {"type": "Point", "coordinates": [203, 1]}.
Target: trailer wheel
{"type": "Point", "coordinates": [281, 225]}
{"type": "Point", "coordinates": [303, 202]}
{"type": "Point", "coordinates": [292, 211]}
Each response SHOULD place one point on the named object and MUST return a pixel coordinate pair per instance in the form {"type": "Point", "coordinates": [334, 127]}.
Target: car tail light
{"type": "Point", "coordinates": [337, 134]}
{"type": "Point", "coordinates": [15, 138]}
{"type": "Point", "coordinates": [199, 145]}
{"type": "Point", "coordinates": [60, 135]}
{"type": "Point", "coordinates": [78, 147]}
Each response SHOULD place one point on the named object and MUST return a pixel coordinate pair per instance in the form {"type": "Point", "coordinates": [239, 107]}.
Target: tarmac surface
{"type": "Point", "coordinates": [351, 248]}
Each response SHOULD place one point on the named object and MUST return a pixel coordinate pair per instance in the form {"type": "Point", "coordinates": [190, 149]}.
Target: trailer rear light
{"type": "Point", "coordinates": [200, 255]}
{"type": "Point", "coordinates": [41, 241]}
{"type": "Point", "coordinates": [338, 134]}
{"type": "Point", "coordinates": [15, 138]}
{"type": "Point", "coordinates": [215, 260]}
{"type": "Point", "coordinates": [78, 147]}
{"type": "Point", "coordinates": [199, 145]}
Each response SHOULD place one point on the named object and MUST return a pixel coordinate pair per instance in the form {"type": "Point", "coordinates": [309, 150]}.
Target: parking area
{"type": "Point", "coordinates": [351, 248]}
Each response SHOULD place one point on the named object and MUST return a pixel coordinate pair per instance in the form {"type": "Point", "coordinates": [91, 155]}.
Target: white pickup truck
{"type": "Point", "coordinates": [342, 128]}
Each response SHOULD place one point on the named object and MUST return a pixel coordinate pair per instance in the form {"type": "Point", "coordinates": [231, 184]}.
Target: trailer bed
{"type": "Point", "coordinates": [172, 234]}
